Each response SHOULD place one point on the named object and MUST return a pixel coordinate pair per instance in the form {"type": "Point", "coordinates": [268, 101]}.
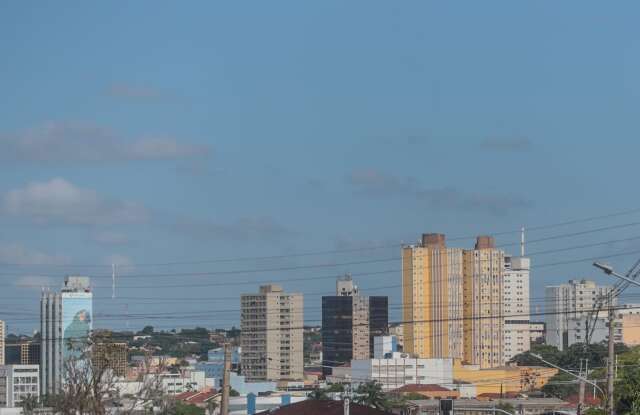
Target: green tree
{"type": "Point", "coordinates": [370, 394]}
{"type": "Point", "coordinates": [318, 394]}
{"type": "Point", "coordinates": [187, 409]}
{"type": "Point", "coordinates": [413, 396]}
{"type": "Point", "coordinates": [233, 392]}
{"type": "Point", "coordinates": [148, 330]}
{"type": "Point", "coordinates": [548, 353]}
{"type": "Point", "coordinates": [506, 406]}
{"type": "Point", "coordinates": [336, 387]}
{"type": "Point", "coordinates": [627, 391]}
{"type": "Point", "coordinates": [560, 390]}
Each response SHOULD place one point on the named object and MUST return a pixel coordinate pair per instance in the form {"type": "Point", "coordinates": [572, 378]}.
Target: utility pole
{"type": "Point", "coordinates": [611, 359]}
{"type": "Point", "coordinates": [346, 404]}
{"type": "Point", "coordinates": [224, 405]}
{"type": "Point", "coordinates": [581, 395]}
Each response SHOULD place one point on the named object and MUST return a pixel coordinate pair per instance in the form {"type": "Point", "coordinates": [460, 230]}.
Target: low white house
{"type": "Point", "coordinates": [175, 383]}
{"type": "Point", "coordinates": [402, 369]}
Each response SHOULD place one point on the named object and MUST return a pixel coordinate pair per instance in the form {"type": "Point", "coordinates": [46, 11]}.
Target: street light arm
{"type": "Point", "coordinates": [622, 277]}
{"type": "Point", "coordinates": [607, 269]}
{"type": "Point", "coordinates": [537, 356]}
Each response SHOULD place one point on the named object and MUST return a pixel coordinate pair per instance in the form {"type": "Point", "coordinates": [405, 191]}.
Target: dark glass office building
{"type": "Point", "coordinates": [349, 324]}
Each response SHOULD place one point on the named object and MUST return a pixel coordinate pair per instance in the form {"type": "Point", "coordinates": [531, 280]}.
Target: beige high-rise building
{"type": "Point", "coordinates": [271, 335]}
{"type": "Point", "coordinates": [3, 334]}
{"type": "Point", "coordinates": [483, 309]}
{"type": "Point", "coordinates": [111, 355]}
{"type": "Point", "coordinates": [432, 298]}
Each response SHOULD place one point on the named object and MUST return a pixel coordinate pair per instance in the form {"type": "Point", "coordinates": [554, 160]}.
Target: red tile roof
{"type": "Point", "coordinates": [422, 388]}
{"type": "Point", "coordinates": [197, 397]}
{"type": "Point", "coordinates": [313, 407]}
{"type": "Point", "coordinates": [589, 400]}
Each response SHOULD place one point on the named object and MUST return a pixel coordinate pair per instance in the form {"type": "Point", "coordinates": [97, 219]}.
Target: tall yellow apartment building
{"type": "Point", "coordinates": [432, 298]}
{"type": "Point", "coordinates": [483, 304]}
{"type": "Point", "coordinates": [452, 301]}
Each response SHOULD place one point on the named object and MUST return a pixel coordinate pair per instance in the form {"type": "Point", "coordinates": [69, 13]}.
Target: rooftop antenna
{"type": "Point", "coordinates": [113, 281]}
{"type": "Point", "coordinates": [522, 241]}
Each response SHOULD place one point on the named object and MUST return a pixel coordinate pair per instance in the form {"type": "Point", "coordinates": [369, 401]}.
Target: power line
{"type": "Point", "coordinates": [337, 251]}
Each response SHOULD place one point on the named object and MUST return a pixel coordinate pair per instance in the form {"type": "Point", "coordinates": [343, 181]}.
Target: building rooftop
{"type": "Point", "coordinates": [197, 397]}
{"type": "Point", "coordinates": [484, 403]}
{"type": "Point", "coordinates": [270, 288]}
{"type": "Point", "coordinates": [421, 388]}
{"type": "Point", "coordinates": [313, 407]}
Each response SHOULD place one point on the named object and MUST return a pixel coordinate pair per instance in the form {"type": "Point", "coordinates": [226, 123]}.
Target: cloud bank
{"type": "Point", "coordinates": [59, 201]}
{"type": "Point", "coordinates": [90, 143]}
{"type": "Point", "coordinates": [377, 184]}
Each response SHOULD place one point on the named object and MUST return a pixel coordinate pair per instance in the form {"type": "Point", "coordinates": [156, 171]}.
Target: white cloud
{"type": "Point", "coordinates": [90, 143]}
{"type": "Point", "coordinates": [59, 201]}
{"type": "Point", "coordinates": [13, 253]}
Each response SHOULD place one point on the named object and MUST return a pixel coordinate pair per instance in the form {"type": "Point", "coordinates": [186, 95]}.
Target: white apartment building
{"type": "Point", "coordinates": [271, 338]}
{"type": "Point", "coordinates": [402, 369]}
{"type": "Point", "coordinates": [598, 328]}
{"type": "Point", "coordinates": [566, 305]}
{"type": "Point", "coordinates": [17, 382]}
{"type": "Point", "coordinates": [3, 334]}
{"type": "Point", "coordinates": [517, 337]}
{"type": "Point", "coordinates": [176, 383]}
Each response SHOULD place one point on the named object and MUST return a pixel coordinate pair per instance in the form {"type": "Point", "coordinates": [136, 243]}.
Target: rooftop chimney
{"type": "Point", "coordinates": [433, 240]}
{"type": "Point", "coordinates": [485, 242]}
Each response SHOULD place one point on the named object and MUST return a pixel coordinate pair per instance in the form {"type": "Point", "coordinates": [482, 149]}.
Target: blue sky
{"type": "Point", "coordinates": [153, 132]}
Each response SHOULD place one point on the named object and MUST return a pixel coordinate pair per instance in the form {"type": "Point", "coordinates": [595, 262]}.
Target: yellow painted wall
{"type": "Point", "coordinates": [503, 379]}
{"type": "Point", "coordinates": [631, 329]}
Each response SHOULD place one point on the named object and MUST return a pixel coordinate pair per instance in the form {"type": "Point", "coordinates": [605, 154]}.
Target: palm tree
{"type": "Point", "coordinates": [318, 395]}
{"type": "Point", "coordinates": [370, 394]}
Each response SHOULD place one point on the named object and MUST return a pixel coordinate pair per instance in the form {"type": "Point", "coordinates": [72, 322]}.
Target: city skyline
{"type": "Point", "coordinates": [262, 145]}
{"type": "Point", "coordinates": [360, 207]}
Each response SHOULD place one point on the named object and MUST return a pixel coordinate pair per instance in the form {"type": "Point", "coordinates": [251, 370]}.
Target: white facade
{"type": "Point", "coordinates": [3, 334]}
{"type": "Point", "coordinates": [599, 329]}
{"type": "Point", "coordinates": [537, 331]}
{"type": "Point", "coordinates": [402, 370]}
{"type": "Point", "coordinates": [565, 307]}
{"type": "Point", "coordinates": [18, 382]}
{"type": "Point", "coordinates": [176, 383]}
{"type": "Point", "coordinates": [517, 337]}
{"type": "Point", "coordinates": [383, 345]}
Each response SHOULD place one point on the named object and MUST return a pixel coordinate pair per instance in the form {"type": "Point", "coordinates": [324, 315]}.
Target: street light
{"type": "Point", "coordinates": [609, 271]}
{"type": "Point", "coordinates": [537, 356]}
